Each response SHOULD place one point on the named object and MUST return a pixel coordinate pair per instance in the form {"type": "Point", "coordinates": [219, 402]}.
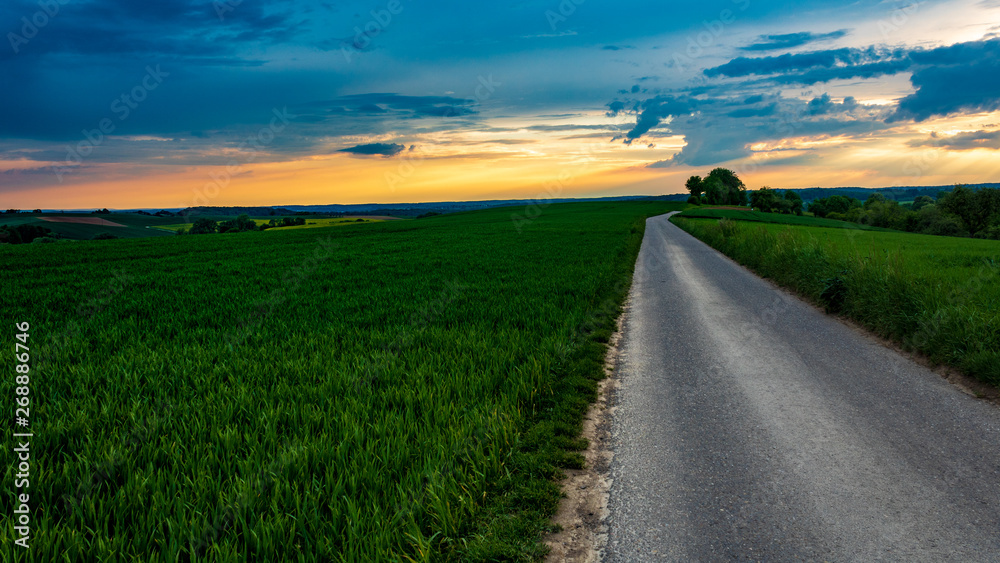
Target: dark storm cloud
{"type": "Point", "coordinates": [962, 141]}
{"type": "Point", "coordinates": [719, 124]}
{"type": "Point", "coordinates": [835, 59]}
{"type": "Point", "coordinates": [655, 110]}
{"type": "Point", "coordinates": [948, 80]}
{"type": "Point", "coordinates": [792, 40]}
{"type": "Point", "coordinates": [383, 149]}
{"type": "Point", "coordinates": [824, 105]}
{"type": "Point", "coordinates": [960, 78]}
{"type": "Point", "coordinates": [189, 29]}
{"type": "Point", "coordinates": [383, 103]}
{"type": "Point", "coordinates": [718, 129]}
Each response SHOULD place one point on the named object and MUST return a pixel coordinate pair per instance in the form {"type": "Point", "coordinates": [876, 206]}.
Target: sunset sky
{"type": "Point", "coordinates": [166, 104]}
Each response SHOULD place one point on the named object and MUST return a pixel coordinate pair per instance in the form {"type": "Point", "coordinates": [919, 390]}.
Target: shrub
{"type": "Point", "coordinates": [204, 226]}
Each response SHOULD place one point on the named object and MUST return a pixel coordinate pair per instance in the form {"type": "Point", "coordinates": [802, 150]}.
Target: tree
{"type": "Point", "coordinates": [921, 201]}
{"type": "Point", "coordinates": [795, 202]}
{"type": "Point", "coordinates": [764, 199]}
{"type": "Point", "coordinates": [734, 190]}
{"type": "Point", "coordinates": [874, 199]}
{"type": "Point", "coordinates": [23, 234]}
{"type": "Point", "coordinates": [715, 192]}
{"type": "Point", "coordinates": [238, 225]}
{"type": "Point", "coordinates": [694, 186]}
{"type": "Point", "coordinates": [834, 204]}
{"type": "Point", "coordinates": [204, 226]}
{"type": "Point", "coordinates": [976, 209]}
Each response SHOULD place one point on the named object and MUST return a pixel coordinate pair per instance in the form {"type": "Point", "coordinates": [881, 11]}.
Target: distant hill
{"type": "Point", "coordinates": [413, 209]}
{"type": "Point", "coordinates": [235, 211]}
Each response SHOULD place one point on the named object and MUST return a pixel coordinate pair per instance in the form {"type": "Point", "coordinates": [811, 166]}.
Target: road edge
{"type": "Point", "coordinates": [583, 511]}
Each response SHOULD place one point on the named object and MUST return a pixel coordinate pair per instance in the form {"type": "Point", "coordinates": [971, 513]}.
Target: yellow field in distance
{"type": "Point", "coordinates": [311, 223]}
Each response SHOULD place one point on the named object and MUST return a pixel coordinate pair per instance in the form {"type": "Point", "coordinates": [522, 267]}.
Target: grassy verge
{"type": "Point", "coordinates": [406, 391]}
{"type": "Point", "coordinates": [777, 218]}
{"type": "Point", "coordinates": [935, 295]}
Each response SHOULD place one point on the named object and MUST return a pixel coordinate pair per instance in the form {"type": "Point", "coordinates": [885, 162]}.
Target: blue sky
{"type": "Point", "coordinates": [123, 104]}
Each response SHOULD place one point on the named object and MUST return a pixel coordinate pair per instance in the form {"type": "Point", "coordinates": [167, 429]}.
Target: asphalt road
{"type": "Point", "coordinates": [751, 427]}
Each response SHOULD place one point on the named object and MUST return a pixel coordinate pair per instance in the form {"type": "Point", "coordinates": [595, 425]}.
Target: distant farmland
{"type": "Point", "coordinates": [84, 226]}
{"type": "Point", "coordinates": [404, 391]}
{"type": "Point", "coordinates": [311, 222]}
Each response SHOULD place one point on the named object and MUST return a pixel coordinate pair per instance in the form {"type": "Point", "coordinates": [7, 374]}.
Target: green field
{"type": "Point", "coordinates": [311, 223]}
{"type": "Point", "coordinates": [936, 295]}
{"type": "Point", "coordinates": [406, 391]}
{"type": "Point", "coordinates": [778, 218]}
{"type": "Point", "coordinates": [136, 226]}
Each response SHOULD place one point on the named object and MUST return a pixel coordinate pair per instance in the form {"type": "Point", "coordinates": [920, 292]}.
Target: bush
{"type": "Point", "coordinates": [104, 236]}
{"type": "Point", "coordinates": [204, 226]}
{"type": "Point", "coordinates": [694, 200]}
{"type": "Point", "coordinates": [23, 234]}
{"type": "Point", "coordinates": [44, 240]}
{"type": "Point", "coordinates": [239, 225]}
{"type": "Point", "coordinates": [834, 292]}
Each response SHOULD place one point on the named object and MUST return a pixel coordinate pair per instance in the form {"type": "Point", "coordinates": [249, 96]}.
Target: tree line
{"type": "Point", "coordinates": [243, 223]}
{"type": "Point", "coordinates": [962, 212]}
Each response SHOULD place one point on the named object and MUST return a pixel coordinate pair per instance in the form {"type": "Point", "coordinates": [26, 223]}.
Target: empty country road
{"type": "Point", "coordinates": [749, 426]}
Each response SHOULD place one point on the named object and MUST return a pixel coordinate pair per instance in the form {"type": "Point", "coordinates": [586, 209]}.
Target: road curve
{"type": "Point", "coordinates": [750, 426]}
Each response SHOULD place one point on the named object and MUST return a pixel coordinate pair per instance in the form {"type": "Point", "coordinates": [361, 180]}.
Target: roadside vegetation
{"type": "Point", "coordinates": [961, 212]}
{"type": "Point", "coordinates": [930, 294]}
{"type": "Point", "coordinates": [753, 216]}
{"type": "Point", "coordinates": [409, 391]}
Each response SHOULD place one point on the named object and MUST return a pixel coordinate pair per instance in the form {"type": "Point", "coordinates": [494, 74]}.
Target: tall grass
{"type": "Point", "coordinates": [934, 295]}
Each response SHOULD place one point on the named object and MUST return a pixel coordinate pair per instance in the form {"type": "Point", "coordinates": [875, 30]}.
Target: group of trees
{"type": "Point", "coordinates": [770, 201]}
{"type": "Point", "coordinates": [960, 212]}
{"type": "Point", "coordinates": [23, 234]}
{"type": "Point", "coordinates": [721, 187]}
{"type": "Point", "coordinates": [240, 224]}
